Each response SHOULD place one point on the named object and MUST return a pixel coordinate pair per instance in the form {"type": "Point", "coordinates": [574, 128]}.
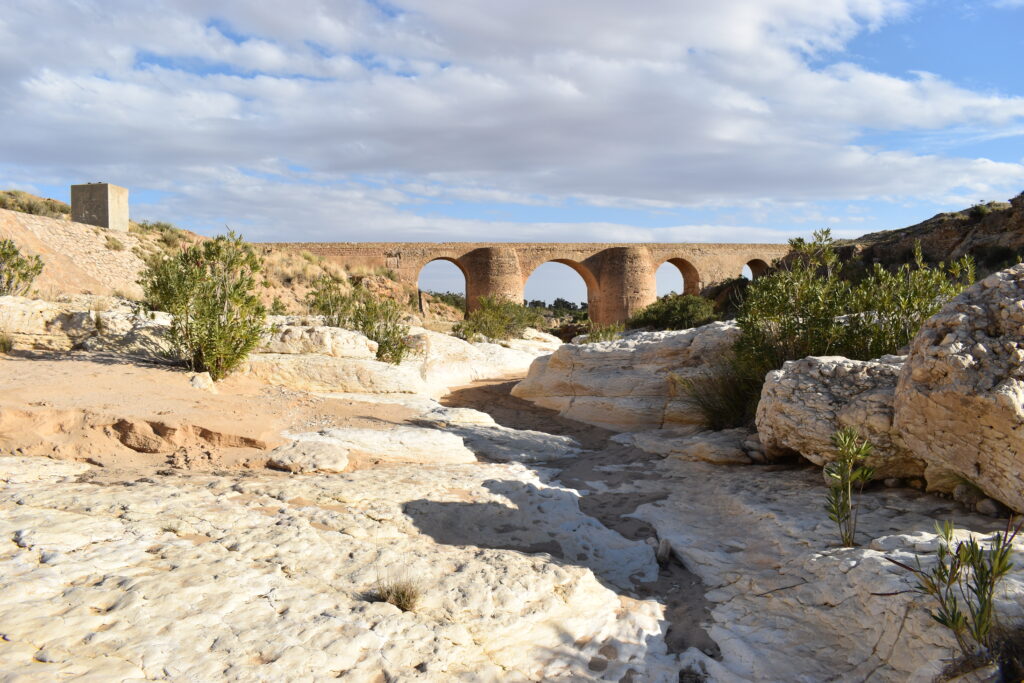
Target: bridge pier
{"type": "Point", "coordinates": [493, 272]}
{"type": "Point", "coordinates": [626, 284]}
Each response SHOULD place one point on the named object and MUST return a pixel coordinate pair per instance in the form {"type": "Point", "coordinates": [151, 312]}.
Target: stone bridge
{"type": "Point", "coordinates": [620, 278]}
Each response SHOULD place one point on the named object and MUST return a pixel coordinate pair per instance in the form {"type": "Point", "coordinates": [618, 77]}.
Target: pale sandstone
{"type": "Point", "coordinates": [270, 578]}
{"type": "Point", "coordinates": [626, 384]}
{"type": "Point", "coordinates": [309, 456]}
{"type": "Point", "coordinates": [960, 397]}
{"type": "Point", "coordinates": [322, 340]}
{"type": "Point", "coordinates": [400, 443]}
{"type": "Point", "coordinates": [720, 448]}
{"type": "Point", "coordinates": [808, 400]}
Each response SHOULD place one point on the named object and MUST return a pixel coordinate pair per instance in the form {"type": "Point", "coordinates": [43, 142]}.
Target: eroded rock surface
{"type": "Point", "coordinates": [960, 398]}
{"type": "Point", "coordinates": [625, 384]}
{"type": "Point", "coordinates": [803, 404]}
{"type": "Point", "coordinates": [243, 578]}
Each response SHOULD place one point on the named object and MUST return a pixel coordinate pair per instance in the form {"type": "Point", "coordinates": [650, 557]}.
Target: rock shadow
{"type": "Point", "coordinates": [537, 520]}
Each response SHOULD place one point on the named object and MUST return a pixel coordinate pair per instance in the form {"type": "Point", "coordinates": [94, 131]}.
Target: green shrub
{"type": "Point", "coordinates": [382, 320]}
{"type": "Point", "coordinates": [963, 582]}
{"type": "Point", "coordinates": [17, 272]}
{"type": "Point", "coordinates": [602, 333]}
{"type": "Point", "coordinates": [209, 288]}
{"type": "Point", "coordinates": [16, 200]}
{"type": "Point", "coordinates": [806, 308]}
{"type": "Point", "coordinates": [675, 312]}
{"type": "Point", "coordinates": [453, 299]}
{"type": "Point", "coordinates": [277, 307]}
{"type": "Point", "coordinates": [843, 473]}
{"type": "Point", "coordinates": [496, 318]}
{"type": "Point", "coordinates": [722, 397]}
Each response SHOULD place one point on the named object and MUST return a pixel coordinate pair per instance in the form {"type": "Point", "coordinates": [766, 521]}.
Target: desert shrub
{"type": "Point", "coordinates": [277, 307]}
{"type": "Point", "coordinates": [209, 289]}
{"type": "Point", "coordinates": [721, 397]}
{"type": "Point", "coordinates": [496, 318]}
{"type": "Point", "coordinates": [453, 299]}
{"type": "Point", "coordinates": [602, 333]}
{"type": "Point", "coordinates": [963, 582]}
{"type": "Point", "coordinates": [16, 200]}
{"type": "Point", "coordinates": [6, 342]}
{"type": "Point", "coordinates": [805, 307]}
{"type": "Point", "coordinates": [114, 244]}
{"type": "Point", "coordinates": [675, 312]}
{"type": "Point", "coordinates": [17, 272]}
{"type": "Point", "coordinates": [382, 320]}
{"type": "Point", "coordinates": [843, 473]}
{"type": "Point", "coordinates": [403, 593]}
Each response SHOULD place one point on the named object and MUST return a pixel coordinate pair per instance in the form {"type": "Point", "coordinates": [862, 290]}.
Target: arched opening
{"type": "Point", "coordinates": [442, 290]}
{"type": "Point", "coordinates": [563, 290]}
{"type": "Point", "coordinates": [677, 275]}
{"type": "Point", "coordinates": [756, 268]}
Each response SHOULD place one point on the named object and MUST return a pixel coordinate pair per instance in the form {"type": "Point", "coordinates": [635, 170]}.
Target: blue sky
{"type": "Point", "coordinates": [584, 120]}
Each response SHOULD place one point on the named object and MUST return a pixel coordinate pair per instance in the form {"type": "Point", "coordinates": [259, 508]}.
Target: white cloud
{"type": "Point", "coordinates": [533, 103]}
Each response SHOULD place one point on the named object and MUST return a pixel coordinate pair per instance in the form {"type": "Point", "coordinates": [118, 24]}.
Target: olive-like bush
{"type": "Point", "coordinates": [805, 307]}
{"type": "Point", "coordinates": [381, 320]}
{"type": "Point", "coordinates": [497, 318]}
{"type": "Point", "coordinates": [17, 272]}
{"type": "Point", "coordinates": [209, 289]}
{"type": "Point", "coordinates": [675, 312]}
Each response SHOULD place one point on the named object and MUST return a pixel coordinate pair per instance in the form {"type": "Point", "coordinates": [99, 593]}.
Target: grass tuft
{"type": "Point", "coordinates": [403, 593]}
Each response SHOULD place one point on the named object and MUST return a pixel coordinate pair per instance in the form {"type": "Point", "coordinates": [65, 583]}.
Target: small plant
{"type": "Point", "coordinates": [208, 288]}
{"type": "Point", "coordinates": [603, 333]}
{"type": "Point", "coordinates": [382, 320]}
{"type": "Point", "coordinates": [17, 272]}
{"type": "Point", "coordinates": [6, 342]}
{"type": "Point", "coordinates": [675, 312]}
{"type": "Point", "coordinates": [963, 583]}
{"type": "Point", "coordinates": [845, 472]}
{"type": "Point", "coordinates": [277, 307]}
{"type": "Point", "coordinates": [402, 593]}
{"type": "Point", "coordinates": [453, 299]}
{"type": "Point", "coordinates": [497, 318]}
{"type": "Point", "coordinates": [114, 244]}
{"type": "Point", "coordinates": [722, 397]}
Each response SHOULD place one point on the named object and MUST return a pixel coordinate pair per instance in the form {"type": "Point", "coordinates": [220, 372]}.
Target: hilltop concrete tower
{"type": "Point", "coordinates": [100, 204]}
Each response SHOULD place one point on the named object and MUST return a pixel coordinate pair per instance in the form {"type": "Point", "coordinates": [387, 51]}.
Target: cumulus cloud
{"type": "Point", "coordinates": [335, 120]}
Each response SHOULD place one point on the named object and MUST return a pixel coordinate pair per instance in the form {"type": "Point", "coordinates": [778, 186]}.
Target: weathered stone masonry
{"type": "Point", "coordinates": [620, 278]}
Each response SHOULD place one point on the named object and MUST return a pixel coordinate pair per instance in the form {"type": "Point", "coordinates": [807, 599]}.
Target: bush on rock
{"type": "Point", "coordinates": [209, 289]}
{"type": "Point", "coordinates": [675, 312]}
{"type": "Point", "coordinates": [497, 318]}
{"type": "Point", "coordinates": [381, 320]}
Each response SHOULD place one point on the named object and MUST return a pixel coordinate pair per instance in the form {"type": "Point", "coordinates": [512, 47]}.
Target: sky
{"type": "Point", "coordinates": [578, 120]}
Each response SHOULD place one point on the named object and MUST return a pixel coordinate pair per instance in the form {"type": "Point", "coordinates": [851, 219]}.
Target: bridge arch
{"type": "Point", "coordinates": [441, 278]}
{"type": "Point", "coordinates": [757, 268]}
{"type": "Point", "coordinates": [589, 280]}
{"type": "Point", "coordinates": [691, 278]}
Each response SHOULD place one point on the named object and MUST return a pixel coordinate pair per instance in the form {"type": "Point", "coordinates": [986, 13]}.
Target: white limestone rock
{"type": "Point", "coordinates": [322, 340]}
{"type": "Point", "coordinates": [804, 403]}
{"type": "Point", "coordinates": [404, 444]}
{"type": "Point", "coordinates": [625, 384]}
{"type": "Point", "coordinates": [211, 577]}
{"type": "Point", "coordinates": [720, 448]}
{"type": "Point", "coordinates": [328, 374]}
{"type": "Point", "coordinates": [302, 456]}
{"type": "Point", "coordinates": [960, 397]}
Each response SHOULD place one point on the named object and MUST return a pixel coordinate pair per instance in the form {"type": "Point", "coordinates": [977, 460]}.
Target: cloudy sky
{"type": "Point", "coordinates": [533, 120]}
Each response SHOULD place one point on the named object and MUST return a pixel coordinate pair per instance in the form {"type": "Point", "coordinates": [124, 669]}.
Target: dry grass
{"type": "Point", "coordinates": [114, 244]}
{"type": "Point", "coordinates": [403, 593]}
{"type": "Point", "coordinates": [6, 342]}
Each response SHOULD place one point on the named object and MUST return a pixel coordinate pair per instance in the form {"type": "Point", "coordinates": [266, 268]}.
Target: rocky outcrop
{"type": "Point", "coordinates": [317, 339]}
{"type": "Point", "coordinates": [803, 404]}
{"type": "Point", "coordinates": [726, 447]}
{"type": "Point", "coordinates": [263, 577]}
{"type": "Point", "coordinates": [626, 384]}
{"type": "Point", "coordinates": [960, 398]}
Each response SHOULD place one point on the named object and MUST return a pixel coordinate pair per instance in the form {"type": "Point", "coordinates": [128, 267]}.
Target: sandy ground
{"type": "Point", "coordinates": [132, 416]}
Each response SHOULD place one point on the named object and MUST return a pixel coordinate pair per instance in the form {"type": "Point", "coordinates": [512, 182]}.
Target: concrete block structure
{"type": "Point", "coordinates": [100, 204]}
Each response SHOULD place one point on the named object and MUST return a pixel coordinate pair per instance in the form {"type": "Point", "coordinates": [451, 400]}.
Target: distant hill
{"type": "Point", "coordinates": [992, 233]}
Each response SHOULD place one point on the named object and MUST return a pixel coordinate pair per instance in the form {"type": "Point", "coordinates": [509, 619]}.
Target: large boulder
{"type": "Point", "coordinates": [626, 384]}
{"type": "Point", "coordinates": [328, 374]}
{"type": "Point", "coordinates": [803, 404]}
{"type": "Point", "coordinates": [960, 397]}
{"type": "Point", "coordinates": [319, 339]}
